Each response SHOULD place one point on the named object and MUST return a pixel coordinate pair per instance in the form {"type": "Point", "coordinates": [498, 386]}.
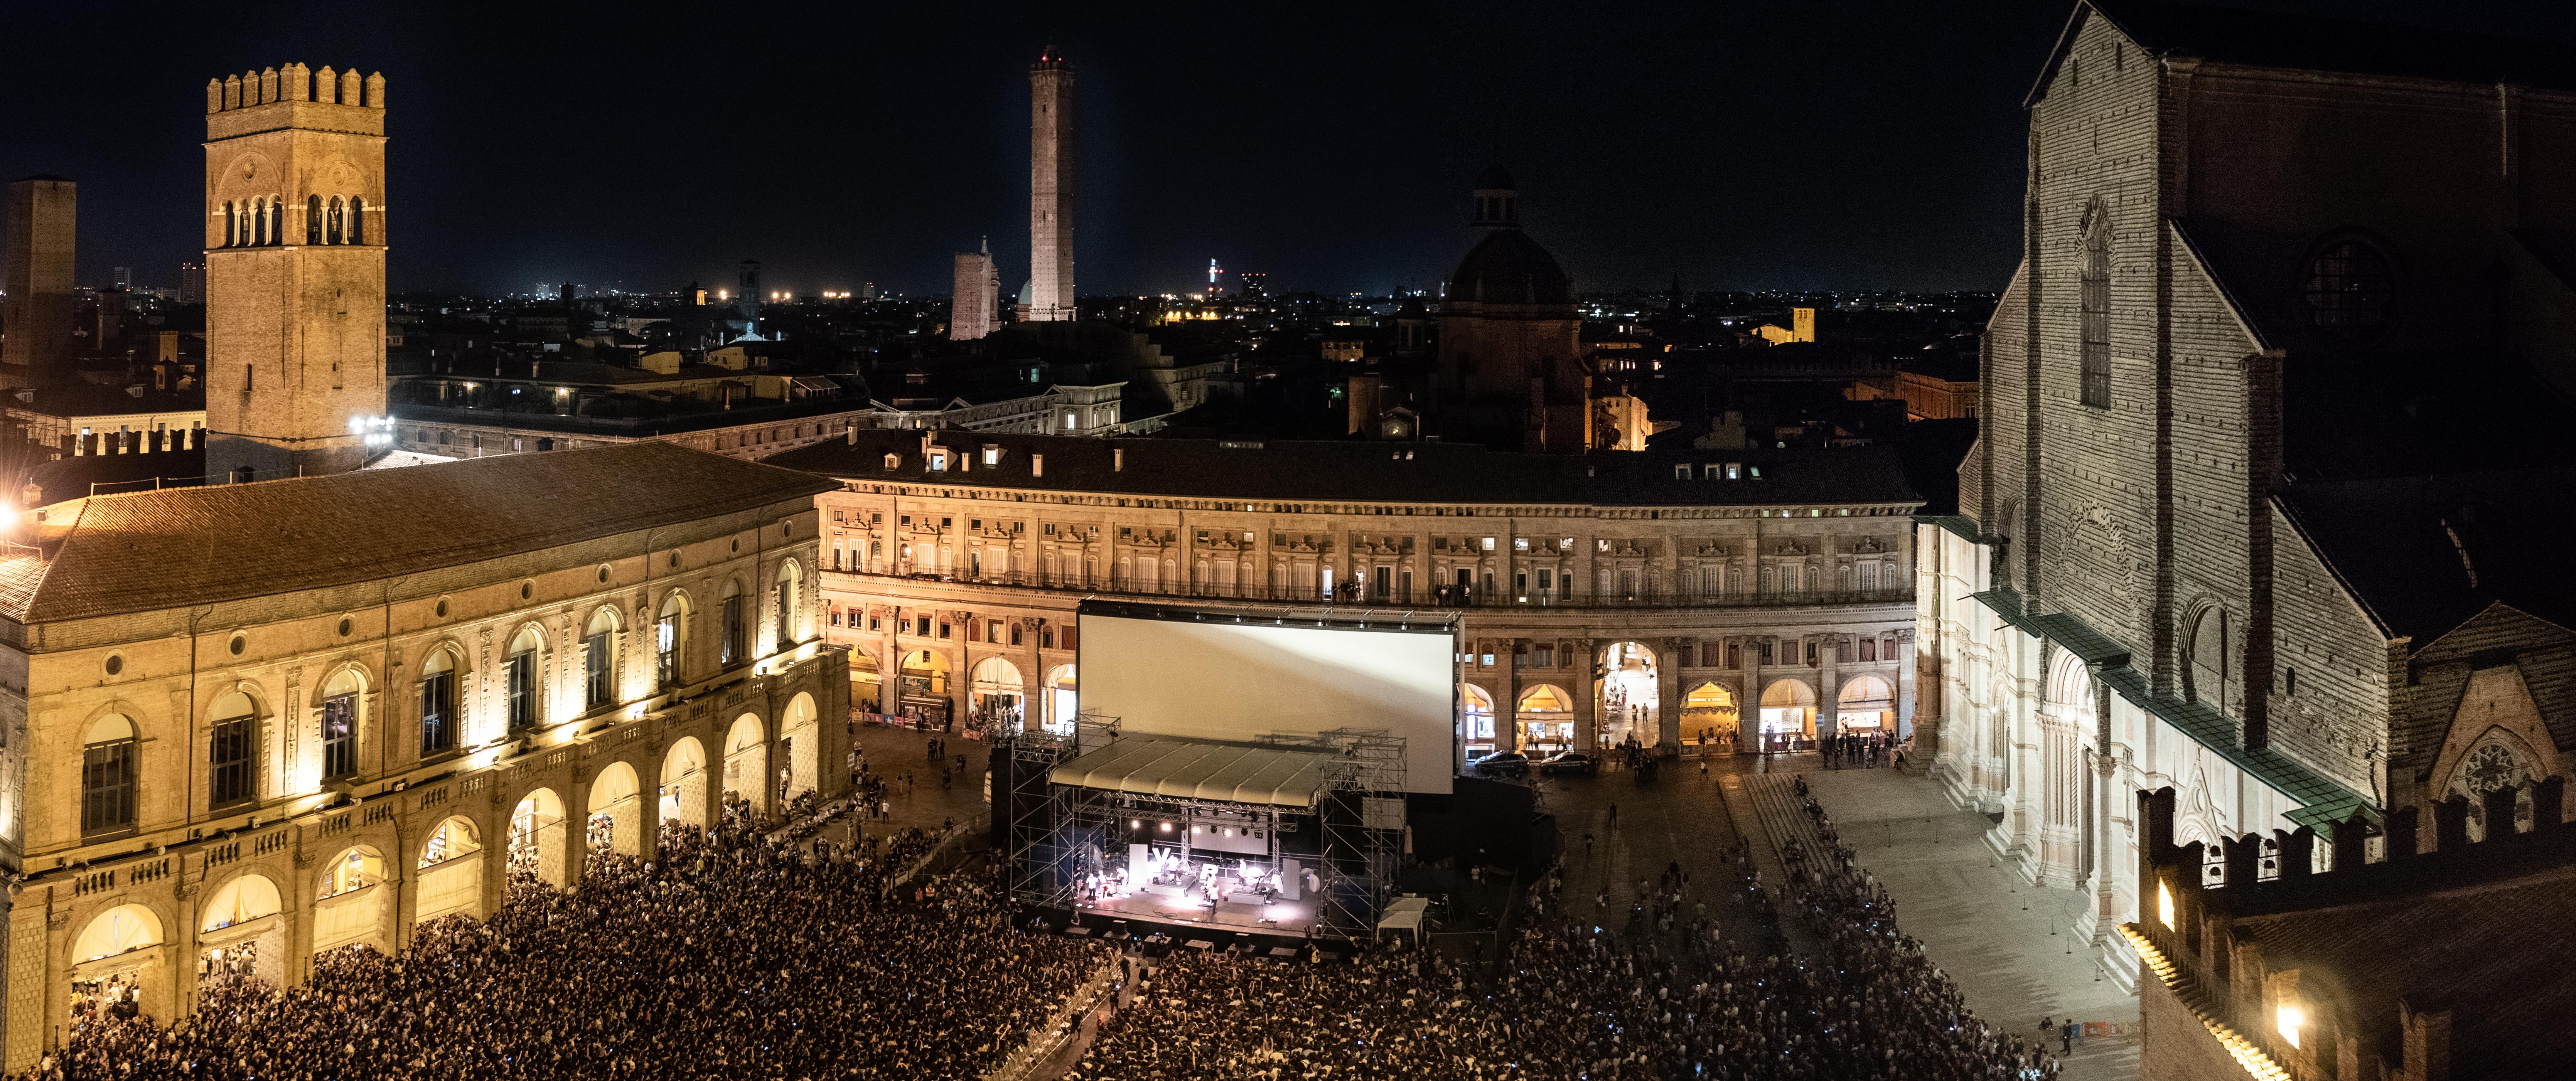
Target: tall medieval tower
{"type": "Point", "coordinates": [295, 272]}
{"type": "Point", "coordinates": [38, 279]}
{"type": "Point", "coordinates": [1051, 189]}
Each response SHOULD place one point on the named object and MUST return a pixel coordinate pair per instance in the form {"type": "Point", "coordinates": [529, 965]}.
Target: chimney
{"type": "Point", "coordinates": [1037, 465]}
{"type": "Point", "coordinates": [1117, 459]}
{"type": "Point", "coordinates": [852, 428]}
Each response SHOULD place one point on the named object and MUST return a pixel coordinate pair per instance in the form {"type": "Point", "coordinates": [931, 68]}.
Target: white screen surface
{"type": "Point", "coordinates": [1241, 681]}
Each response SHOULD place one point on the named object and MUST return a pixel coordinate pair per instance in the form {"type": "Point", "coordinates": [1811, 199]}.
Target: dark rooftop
{"type": "Point", "coordinates": [2316, 43]}
{"type": "Point", "coordinates": [1355, 471]}
{"type": "Point", "coordinates": [193, 546]}
{"type": "Point", "coordinates": [2425, 553]}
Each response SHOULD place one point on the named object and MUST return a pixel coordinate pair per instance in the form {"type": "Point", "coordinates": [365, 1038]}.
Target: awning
{"type": "Point", "coordinates": [1405, 914]}
{"type": "Point", "coordinates": [1181, 769]}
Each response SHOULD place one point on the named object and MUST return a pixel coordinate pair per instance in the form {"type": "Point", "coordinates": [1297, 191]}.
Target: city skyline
{"type": "Point", "coordinates": [1781, 157]}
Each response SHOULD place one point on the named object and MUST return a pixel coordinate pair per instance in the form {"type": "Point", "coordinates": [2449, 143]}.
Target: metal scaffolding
{"type": "Point", "coordinates": [1042, 852]}
{"type": "Point", "coordinates": [1363, 824]}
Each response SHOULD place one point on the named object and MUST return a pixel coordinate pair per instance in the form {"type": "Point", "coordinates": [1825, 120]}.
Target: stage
{"type": "Point", "coordinates": [1237, 912]}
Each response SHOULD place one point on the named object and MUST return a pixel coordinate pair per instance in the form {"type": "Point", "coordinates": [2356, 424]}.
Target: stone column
{"type": "Point", "coordinates": [1668, 694]}
{"type": "Point", "coordinates": [576, 826]}
{"type": "Point", "coordinates": [1507, 705]}
{"type": "Point", "coordinates": [1829, 685]}
{"type": "Point", "coordinates": [1905, 682]}
{"type": "Point", "coordinates": [1586, 711]}
{"type": "Point", "coordinates": [1748, 710]}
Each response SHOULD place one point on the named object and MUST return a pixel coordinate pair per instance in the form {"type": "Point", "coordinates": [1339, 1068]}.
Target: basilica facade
{"type": "Point", "coordinates": [2251, 514]}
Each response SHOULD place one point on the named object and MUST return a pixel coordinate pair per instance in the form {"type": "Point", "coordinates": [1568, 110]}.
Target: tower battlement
{"type": "Point", "coordinates": [295, 270]}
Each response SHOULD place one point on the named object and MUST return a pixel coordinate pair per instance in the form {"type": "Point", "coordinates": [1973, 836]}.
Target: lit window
{"type": "Point", "coordinates": [2288, 1020]}
{"type": "Point", "coordinates": [2164, 905]}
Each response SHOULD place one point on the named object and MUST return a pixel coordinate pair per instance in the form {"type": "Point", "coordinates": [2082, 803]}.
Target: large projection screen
{"type": "Point", "coordinates": [1230, 676]}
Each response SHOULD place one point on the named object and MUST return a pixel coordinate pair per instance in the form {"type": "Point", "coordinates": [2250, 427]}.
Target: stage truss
{"type": "Point", "coordinates": [1360, 811]}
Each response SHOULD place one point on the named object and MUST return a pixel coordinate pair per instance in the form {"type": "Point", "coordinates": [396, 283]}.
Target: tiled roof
{"type": "Point", "coordinates": [2318, 43]}
{"type": "Point", "coordinates": [2494, 956]}
{"type": "Point", "coordinates": [2424, 553]}
{"type": "Point", "coordinates": [187, 546]}
{"type": "Point", "coordinates": [1355, 471]}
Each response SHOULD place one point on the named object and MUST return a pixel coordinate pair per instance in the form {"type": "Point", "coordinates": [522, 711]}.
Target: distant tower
{"type": "Point", "coordinates": [38, 275]}
{"type": "Point", "coordinates": [192, 283]}
{"type": "Point", "coordinates": [295, 272]}
{"type": "Point", "coordinates": [974, 295]}
{"type": "Point", "coordinates": [746, 297]}
{"type": "Point", "coordinates": [1051, 189]}
{"type": "Point", "coordinates": [1509, 349]}
{"type": "Point", "coordinates": [1214, 271]}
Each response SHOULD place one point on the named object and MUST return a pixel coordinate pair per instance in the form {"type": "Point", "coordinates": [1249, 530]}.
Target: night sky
{"type": "Point", "coordinates": [1787, 145]}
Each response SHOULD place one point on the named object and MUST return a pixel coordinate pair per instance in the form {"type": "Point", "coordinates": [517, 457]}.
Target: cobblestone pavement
{"type": "Point", "coordinates": [1679, 817]}
{"type": "Point", "coordinates": [894, 752]}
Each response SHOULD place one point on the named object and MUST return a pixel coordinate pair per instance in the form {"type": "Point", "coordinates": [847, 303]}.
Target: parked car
{"type": "Point", "coordinates": [1569, 762]}
{"type": "Point", "coordinates": [1505, 764]}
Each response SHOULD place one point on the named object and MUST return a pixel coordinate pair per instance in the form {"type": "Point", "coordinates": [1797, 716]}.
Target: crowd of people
{"type": "Point", "coordinates": [736, 954]}
{"type": "Point", "coordinates": [1637, 986]}
{"type": "Point", "coordinates": [1858, 750]}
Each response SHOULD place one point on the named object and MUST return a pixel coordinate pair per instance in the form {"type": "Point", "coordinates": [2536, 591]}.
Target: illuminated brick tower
{"type": "Point", "coordinates": [38, 279]}
{"type": "Point", "coordinates": [1051, 189]}
{"type": "Point", "coordinates": [295, 272]}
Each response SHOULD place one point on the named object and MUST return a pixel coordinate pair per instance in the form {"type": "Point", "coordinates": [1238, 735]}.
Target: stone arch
{"type": "Point", "coordinates": [1628, 692]}
{"type": "Point", "coordinates": [616, 819]}
{"type": "Point", "coordinates": [1788, 709]}
{"type": "Point", "coordinates": [2498, 759]}
{"type": "Point", "coordinates": [353, 899]}
{"type": "Point", "coordinates": [1476, 718]}
{"type": "Point", "coordinates": [537, 837]}
{"type": "Point", "coordinates": [921, 684]}
{"type": "Point", "coordinates": [242, 930]}
{"type": "Point", "coordinates": [800, 742]}
{"type": "Point", "coordinates": [684, 783]}
{"type": "Point", "coordinates": [1063, 698]}
{"type": "Point", "coordinates": [2211, 664]}
{"type": "Point", "coordinates": [746, 761]}
{"type": "Point", "coordinates": [1865, 702]}
{"type": "Point", "coordinates": [1545, 717]}
{"type": "Point", "coordinates": [2070, 683]}
{"type": "Point", "coordinates": [449, 875]}
{"type": "Point", "coordinates": [1710, 714]}
{"type": "Point", "coordinates": [122, 951]}
{"type": "Point", "coordinates": [995, 693]}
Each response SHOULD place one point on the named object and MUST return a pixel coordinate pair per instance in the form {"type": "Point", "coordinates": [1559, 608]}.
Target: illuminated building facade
{"type": "Point", "coordinates": [295, 271]}
{"type": "Point", "coordinates": [1651, 596]}
{"type": "Point", "coordinates": [293, 715]}
{"type": "Point", "coordinates": [2250, 515]}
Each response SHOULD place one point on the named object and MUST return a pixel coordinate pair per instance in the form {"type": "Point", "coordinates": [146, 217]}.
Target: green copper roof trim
{"type": "Point", "coordinates": [1960, 524]}
{"type": "Point", "coordinates": [2324, 802]}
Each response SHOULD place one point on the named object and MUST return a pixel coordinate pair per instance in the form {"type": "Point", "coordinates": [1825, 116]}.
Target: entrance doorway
{"type": "Point", "coordinates": [1546, 716]}
{"type": "Point", "coordinates": [1866, 705]}
{"type": "Point", "coordinates": [1788, 715]}
{"type": "Point", "coordinates": [923, 684]}
{"type": "Point", "coordinates": [1709, 718]}
{"type": "Point", "coordinates": [1628, 695]}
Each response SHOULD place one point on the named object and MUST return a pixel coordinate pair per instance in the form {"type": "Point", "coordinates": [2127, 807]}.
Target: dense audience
{"type": "Point", "coordinates": [733, 956]}
{"type": "Point", "coordinates": [747, 952]}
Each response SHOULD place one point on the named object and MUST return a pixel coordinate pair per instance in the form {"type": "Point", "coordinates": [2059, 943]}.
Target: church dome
{"type": "Point", "coordinates": [1507, 267]}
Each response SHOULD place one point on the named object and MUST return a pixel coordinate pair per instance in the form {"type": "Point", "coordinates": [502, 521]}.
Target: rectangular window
{"type": "Point", "coordinates": [666, 649]}
{"type": "Point", "coordinates": [229, 755]}
{"type": "Point", "coordinates": [2096, 318]}
{"type": "Point", "coordinates": [1545, 656]}
{"type": "Point", "coordinates": [107, 786]}
{"type": "Point", "coordinates": [437, 716]}
{"type": "Point", "coordinates": [1766, 651]}
{"type": "Point", "coordinates": [1869, 649]}
{"type": "Point", "coordinates": [1811, 654]}
{"type": "Point", "coordinates": [1734, 656]}
{"type": "Point", "coordinates": [595, 660]}
{"type": "Point", "coordinates": [943, 630]}
{"type": "Point", "coordinates": [340, 735]}
{"type": "Point", "coordinates": [735, 646]}
{"type": "Point", "coordinates": [1015, 633]}
{"type": "Point", "coordinates": [1072, 637]}
{"type": "Point", "coordinates": [1046, 638]}
{"type": "Point", "coordinates": [520, 681]}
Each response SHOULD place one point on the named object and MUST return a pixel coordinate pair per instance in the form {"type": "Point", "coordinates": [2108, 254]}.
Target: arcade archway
{"type": "Point", "coordinates": [117, 962]}
{"type": "Point", "coordinates": [746, 763]}
{"type": "Point", "coordinates": [1546, 718]}
{"type": "Point", "coordinates": [996, 695]}
{"type": "Point", "coordinates": [1866, 704]}
{"type": "Point", "coordinates": [1788, 713]}
{"type": "Point", "coordinates": [1709, 717]}
{"type": "Point", "coordinates": [865, 692]}
{"type": "Point", "coordinates": [1477, 721]}
{"type": "Point", "coordinates": [684, 783]}
{"type": "Point", "coordinates": [537, 837]}
{"type": "Point", "coordinates": [616, 820]}
{"type": "Point", "coordinates": [353, 901]}
{"type": "Point", "coordinates": [1628, 695]}
{"type": "Point", "coordinates": [800, 744]}
{"type": "Point", "coordinates": [1063, 700]}
{"type": "Point", "coordinates": [922, 683]}
{"type": "Point", "coordinates": [241, 932]}
{"type": "Point", "coordinates": [450, 873]}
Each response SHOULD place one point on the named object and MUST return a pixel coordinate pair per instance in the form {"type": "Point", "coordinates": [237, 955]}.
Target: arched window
{"type": "Point", "coordinates": [599, 659]}
{"type": "Point", "coordinates": [275, 217]}
{"type": "Point", "coordinates": [2351, 290]}
{"type": "Point", "coordinates": [357, 220]}
{"type": "Point", "coordinates": [340, 724]}
{"type": "Point", "coordinates": [228, 750]}
{"type": "Point", "coordinates": [107, 776]}
{"type": "Point", "coordinates": [670, 630]}
{"type": "Point", "coordinates": [438, 720]}
{"type": "Point", "coordinates": [733, 645]}
{"type": "Point", "coordinates": [526, 651]}
{"type": "Point", "coordinates": [2209, 670]}
{"type": "Point", "coordinates": [331, 223]}
{"type": "Point", "coordinates": [232, 224]}
{"type": "Point", "coordinates": [791, 604]}
{"type": "Point", "coordinates": [2097, 305]}
{"type": "Point", "coordinates": [259, 222]}
{"type": "Point", "coordinates": [313, 219]}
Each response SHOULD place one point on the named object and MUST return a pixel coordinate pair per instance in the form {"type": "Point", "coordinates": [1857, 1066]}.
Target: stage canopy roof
{"type": "Point", "coordinates": [1183, 769]}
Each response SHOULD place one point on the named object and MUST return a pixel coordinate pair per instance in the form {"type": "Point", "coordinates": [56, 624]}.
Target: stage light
{"type": "Point", "coordinates": [1133, 824]}
{"type": "Point", "coordinates": [1167, 827]}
